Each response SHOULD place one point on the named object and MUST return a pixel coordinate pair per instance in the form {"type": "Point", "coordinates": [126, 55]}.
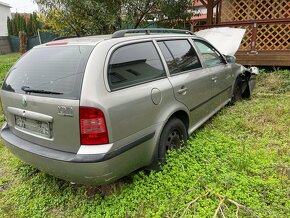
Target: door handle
{"type": "Point", "coordinates": [182, 90]}
{"type": "Point", "coordinates": [214, 78]}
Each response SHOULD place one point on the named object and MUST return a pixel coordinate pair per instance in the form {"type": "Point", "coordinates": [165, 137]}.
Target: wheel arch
{"type": "Point", "coordinates": [181, 113]}
{"type": "Point", "coordinates": [242, 78]}
{"type": "Point", "coordinates": [245, 75]}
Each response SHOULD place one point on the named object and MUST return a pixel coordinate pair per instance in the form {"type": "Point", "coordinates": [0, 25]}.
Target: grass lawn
{"type": "Point", "coordinates": [236, 165]}
{"type": "Point", "coordinates": [6, 62]}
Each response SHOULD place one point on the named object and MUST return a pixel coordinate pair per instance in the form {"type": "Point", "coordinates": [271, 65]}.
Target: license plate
{"type": "Point", "coordinates": [33, 126]}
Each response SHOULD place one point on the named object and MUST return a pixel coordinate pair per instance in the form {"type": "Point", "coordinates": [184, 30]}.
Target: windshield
{"type": "Point", "coordinates": [50, 70]}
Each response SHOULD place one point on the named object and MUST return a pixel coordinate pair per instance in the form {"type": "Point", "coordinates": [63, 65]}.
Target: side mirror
{"type": "Point", "coordinates": [230, 58]}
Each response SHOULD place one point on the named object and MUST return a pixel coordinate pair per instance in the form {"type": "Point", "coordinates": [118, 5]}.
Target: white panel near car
{"type": "Point", "coordinates": [231, 38]}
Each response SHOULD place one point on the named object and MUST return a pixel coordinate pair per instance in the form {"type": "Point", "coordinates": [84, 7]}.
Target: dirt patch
{"type": "Point", "coordinates": [103, 190]}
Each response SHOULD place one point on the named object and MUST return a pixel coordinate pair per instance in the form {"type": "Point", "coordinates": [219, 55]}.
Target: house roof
{"type": "Point", "coordinates": [198, 3]}
{"type": "Point", "coordinates": [5, 5]}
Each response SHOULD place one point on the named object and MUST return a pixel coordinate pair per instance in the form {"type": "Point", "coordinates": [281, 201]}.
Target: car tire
{"type": "Point", "coordinates": [173, 136]}
{"type": "Point", "coordinates": [237, 91]}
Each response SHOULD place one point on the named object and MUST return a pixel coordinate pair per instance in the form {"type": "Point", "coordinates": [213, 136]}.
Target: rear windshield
{"type": "Point", "coordinates": [50, 71]}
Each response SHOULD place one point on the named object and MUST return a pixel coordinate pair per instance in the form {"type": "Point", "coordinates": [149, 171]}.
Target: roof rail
{"type": "Point", "coordinates": [148, 31]}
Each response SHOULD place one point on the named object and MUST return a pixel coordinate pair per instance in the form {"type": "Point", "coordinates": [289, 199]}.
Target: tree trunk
{"type": "Point", "coordinates": [22, 42]}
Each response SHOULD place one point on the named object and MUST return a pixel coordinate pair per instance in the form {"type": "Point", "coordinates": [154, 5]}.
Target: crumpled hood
{"type": "Point", "coordinates": [226, 40]}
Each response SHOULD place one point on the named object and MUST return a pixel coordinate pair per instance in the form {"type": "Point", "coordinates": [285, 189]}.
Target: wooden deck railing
{"type": "Point", "coordinates": [261, 35]}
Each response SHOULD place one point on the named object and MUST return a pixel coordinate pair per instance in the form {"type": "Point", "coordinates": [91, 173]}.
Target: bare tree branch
{"type": "Point", "coordinates": [192, 202]}
{"type": "Point", "coordinates": [218, 208]}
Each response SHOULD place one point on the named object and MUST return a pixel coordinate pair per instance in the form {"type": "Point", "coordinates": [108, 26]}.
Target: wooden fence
{"type": "Point", "coordinates": [267, 24]}
{"type": "Point", "coordinates": [261, 35]}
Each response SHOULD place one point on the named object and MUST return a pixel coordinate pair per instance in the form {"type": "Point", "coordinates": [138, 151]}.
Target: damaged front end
{"type": "Point", "coordinates": [249, 76]}
{"type": "Point", "coordinates": [245, 82]}
{"type": "Point", "coordinates": [252, 82]}
{"type": "Point", "coordinates": [227, 41]}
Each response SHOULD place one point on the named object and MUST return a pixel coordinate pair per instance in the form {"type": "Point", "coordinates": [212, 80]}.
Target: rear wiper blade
{"type": "Point", "coordinates": [28, 90]}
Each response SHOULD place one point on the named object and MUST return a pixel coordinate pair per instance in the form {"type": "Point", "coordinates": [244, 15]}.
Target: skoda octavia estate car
{"type": "Point", "coordinates": [93, 109]}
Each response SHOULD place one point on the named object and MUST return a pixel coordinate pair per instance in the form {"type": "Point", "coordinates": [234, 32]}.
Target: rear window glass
{"type": "Point", "coordinates": [58, 69]}
{"type": "Point", "coordinates": [134, 64]}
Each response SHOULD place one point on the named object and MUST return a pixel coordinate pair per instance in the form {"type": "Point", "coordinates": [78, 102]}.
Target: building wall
{"type": "Point", "coordinates": [4, 45]}
{"type": "Point", "coordinates": [201, 9]}
{"type": "Point", "coordinates": [4, 13]}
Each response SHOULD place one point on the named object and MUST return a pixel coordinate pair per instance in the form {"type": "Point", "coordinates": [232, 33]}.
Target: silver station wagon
{"type": "Point", "coordinates": [91, 110]}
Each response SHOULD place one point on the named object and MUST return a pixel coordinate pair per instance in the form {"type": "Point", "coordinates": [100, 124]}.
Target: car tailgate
{"type": "Point", "coordinates": [49, 122]}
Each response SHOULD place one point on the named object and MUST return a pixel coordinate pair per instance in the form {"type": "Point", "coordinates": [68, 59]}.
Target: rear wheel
{"type": "Point", "coordinates": [173, 136]}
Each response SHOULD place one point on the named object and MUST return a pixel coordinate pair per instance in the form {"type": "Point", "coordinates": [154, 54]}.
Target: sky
{"type": "Point", "coordinates": [21, 6]}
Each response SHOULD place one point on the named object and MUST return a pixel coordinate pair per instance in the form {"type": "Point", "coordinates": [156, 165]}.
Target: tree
{"type": "Point", "coordinates": [16, 24]}
{"type": "Point", "coordinates": [23, 22]}
{"type": "Point", "coordinates": [22, 42]}
{"type": "Point", "coordinates": [9, 26]}
{"type": "Point", "coordinates": [138, 12]}
{"type": "Point", "coordinates": [177, 12]}
{"type": "Point", "coordinates": [87, 17]}
{"type": "Point", "coordinates": [181, 9]}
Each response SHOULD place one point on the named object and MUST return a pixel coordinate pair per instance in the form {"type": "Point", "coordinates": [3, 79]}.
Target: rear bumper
{"type": "Point", "coordinates": [80, 168]}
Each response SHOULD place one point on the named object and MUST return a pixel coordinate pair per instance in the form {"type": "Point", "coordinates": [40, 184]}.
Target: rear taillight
{"type": "Point", "coordinates": [93, 130]}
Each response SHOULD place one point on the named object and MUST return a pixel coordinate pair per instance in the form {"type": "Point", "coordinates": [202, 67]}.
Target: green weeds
{"type": "Point", "coordinates": [6, 62]}
{"type": "Point", "coordinates": [276, 82]}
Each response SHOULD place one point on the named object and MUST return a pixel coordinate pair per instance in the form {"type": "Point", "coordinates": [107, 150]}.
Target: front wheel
{"type": "Point", "coordinates": [237, 91]}
{"type": "Point", "coordinates": [173, 136]}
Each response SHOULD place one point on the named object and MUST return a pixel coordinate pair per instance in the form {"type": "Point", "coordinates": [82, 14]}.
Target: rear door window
{"type": "Point", "coordinates": [56, 69]}
{"type": "Point", "coordinates": [134, 64]}
{"type": "Point", "coordinates": [179, 55]}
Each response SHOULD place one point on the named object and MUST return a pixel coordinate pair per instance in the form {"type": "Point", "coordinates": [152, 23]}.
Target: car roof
{"type": "Point", "coordinates": [93, 40]}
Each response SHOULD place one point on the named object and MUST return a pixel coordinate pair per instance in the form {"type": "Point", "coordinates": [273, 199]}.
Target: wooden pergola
{"type": "Point", "coordinates": [210, 5]}
{"type": "Point", "coordinates": [267, 24]}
